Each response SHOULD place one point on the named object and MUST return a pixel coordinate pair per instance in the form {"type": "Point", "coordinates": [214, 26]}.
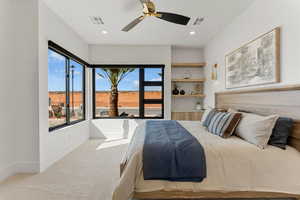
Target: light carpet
{"type": "Point", "coordinates": [88, 173]}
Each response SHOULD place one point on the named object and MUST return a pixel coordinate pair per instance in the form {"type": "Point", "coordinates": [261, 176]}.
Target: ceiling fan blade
{"type": "Point", "coordinates": [133, 24]}
{"type": "Point", "coordinates": [174, 18]}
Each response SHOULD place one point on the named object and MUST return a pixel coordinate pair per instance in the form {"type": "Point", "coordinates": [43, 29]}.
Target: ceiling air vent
{"type": "Point", "coordinates": [198, 21]}
{"type": "Point", "coordinates": [97, 20]}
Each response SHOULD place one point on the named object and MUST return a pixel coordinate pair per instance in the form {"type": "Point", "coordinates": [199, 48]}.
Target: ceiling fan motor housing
{"type": "Point", "coordinates": [150, 8]}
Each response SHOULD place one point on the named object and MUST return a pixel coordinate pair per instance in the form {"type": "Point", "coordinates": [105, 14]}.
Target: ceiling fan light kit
{"type": "Point", "coordinates": [192, 32]}
{"type": "Point", "coordinates": [149, 10]}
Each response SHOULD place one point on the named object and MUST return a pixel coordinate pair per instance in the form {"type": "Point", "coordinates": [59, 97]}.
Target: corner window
{"type": "Point", "coordinates": [128, 91]}
{"type": "Point", "coordinates": [66, 90]}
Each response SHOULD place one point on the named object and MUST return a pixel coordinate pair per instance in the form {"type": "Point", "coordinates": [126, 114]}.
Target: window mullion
{"type": "Point", "coordinates": [141, 92]}
{"type": "Point", "coordinates": [94, 93]}
{"type": "Point", "coordinates": [83, 91]}
{"type": "Point", "coordinates": [68, 91]}
{"type": "Point", "coordinates": [163, 92]}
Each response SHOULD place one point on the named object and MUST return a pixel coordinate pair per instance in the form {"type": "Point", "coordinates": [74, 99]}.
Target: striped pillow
{"type": "Point", "coordinates": [224, 123]}
{"type": "Point", "coordinates": [209, 117]}
{"type": "Point", "coordinates": [205, 115]}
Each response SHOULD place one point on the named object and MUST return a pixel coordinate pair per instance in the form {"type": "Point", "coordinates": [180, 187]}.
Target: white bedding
{"type": "Point", "coordinates": [232, 165]}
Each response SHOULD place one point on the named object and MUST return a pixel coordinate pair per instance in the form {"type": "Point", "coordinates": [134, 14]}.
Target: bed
{"type": "Point", "coordinates": [236, 169]}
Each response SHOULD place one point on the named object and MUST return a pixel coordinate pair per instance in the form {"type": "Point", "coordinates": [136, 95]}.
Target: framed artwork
{"type": "Point", "coordinates": [256, 63]}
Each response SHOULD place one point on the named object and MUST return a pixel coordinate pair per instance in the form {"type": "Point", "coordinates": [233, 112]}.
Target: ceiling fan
{"type": "Point", "coordinates": [150, 11]}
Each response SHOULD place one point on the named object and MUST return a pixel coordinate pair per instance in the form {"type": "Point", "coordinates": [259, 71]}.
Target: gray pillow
{"type": "Point", "coordinates": [281, 132]}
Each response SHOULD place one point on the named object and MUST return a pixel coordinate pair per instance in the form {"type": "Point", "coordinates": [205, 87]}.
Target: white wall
{"type": "Point", "coordinates": [186, 55]}
{"type": "Point", "coordinates": [7, 86]}
{"type": "Point", "coordinates": [26, 88]}
{"type": "Point", "coordinates": [259, 18]}
{"type": "Point", "coordinates": [54, 145]}
{"type": "Point", "coordinates": [105, 54]}
{"type": "Point", "coordinates": [19, 142]}
{"type": "Point", "coordinates": [113, 129]}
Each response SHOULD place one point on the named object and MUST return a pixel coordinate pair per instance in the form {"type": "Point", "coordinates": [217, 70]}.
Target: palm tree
{"type": "Point", "coordinates": [114, 76]}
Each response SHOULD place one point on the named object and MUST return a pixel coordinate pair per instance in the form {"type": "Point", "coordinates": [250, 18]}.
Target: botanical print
{"type": "Point", "coordinates": [254, 63]}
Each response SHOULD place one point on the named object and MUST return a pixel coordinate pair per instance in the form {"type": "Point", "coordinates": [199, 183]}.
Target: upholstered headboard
{"type": "Point", "coordinates": [284, 101]}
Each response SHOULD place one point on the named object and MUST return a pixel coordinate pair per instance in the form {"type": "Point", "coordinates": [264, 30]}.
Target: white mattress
{"type": "Point", "coordinates": [232, 165]}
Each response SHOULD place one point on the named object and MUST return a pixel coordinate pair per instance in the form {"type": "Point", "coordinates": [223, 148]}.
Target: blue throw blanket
{"type": "Point", "coordinates": [172, 153]}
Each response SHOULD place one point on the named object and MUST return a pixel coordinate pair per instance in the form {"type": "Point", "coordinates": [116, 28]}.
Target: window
{"type": "Point", "coordinates": [66, 89]}
{"type": "Point", "coordinates": [128, 91]}
{"type": "Point", "coordinates": [57, 89]}
{"type": "Point", "coordinates": [76, 91]}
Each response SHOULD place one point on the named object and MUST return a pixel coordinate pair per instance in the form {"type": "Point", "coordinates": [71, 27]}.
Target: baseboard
{"type": "Point", "coordinates": [21, 167]}
{"type": "Point", "coordinates": [46, 164]}
{"type": "Point", "coordinates": [7, 172]}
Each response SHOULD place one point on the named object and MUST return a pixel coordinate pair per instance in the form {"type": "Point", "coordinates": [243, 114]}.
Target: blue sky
{"type": "Point", "coordinates": [56, 76]}
{"type": "Point", "coordinates": [56, 73]}
{"type": "Point", "coordinates": [131, 82]}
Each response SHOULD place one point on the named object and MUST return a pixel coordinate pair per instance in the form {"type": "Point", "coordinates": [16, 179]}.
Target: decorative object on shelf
{"type": "Point", "coordinates": [214, 71]}
{"type": "Point", "coordinates": [175, 91]}
{"type": "Point", "coordinates": [187, 74]}
{"type": "Point", "coordinates": [199, 106]}
{"type": "Point", "coordinates": [198, 89]}
{"type": "Point", "coordinates": [255, 63]}
{"type": "Point", "coordinates": [182, 92]}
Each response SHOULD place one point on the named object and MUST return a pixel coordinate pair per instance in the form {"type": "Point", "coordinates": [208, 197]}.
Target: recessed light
{"type": "Point", "coordinates": [192, 32]}
{"type": "Point", "coordinates": [96, 20]}
{"type": "Point", "coordinates": [104, 32]}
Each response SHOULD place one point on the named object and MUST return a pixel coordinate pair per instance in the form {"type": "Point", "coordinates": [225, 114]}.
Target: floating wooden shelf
{"type": "Point", "coordinates": [188, 64]}
{"type": "Point", "coordinates": [190, 95]}
{"type": "Point", "coordinates": [188, 80]}
{"type": "Point", "coordinates": [190, 116]}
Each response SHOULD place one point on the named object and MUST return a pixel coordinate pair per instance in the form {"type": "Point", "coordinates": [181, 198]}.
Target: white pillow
{"type": "Point", "coordinates": [205, 114]}
{"type": "Point", "coordinates": [256, 129]}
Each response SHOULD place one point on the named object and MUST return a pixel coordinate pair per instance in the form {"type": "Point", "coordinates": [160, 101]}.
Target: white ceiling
{"type": "Point", "coordinates": [118, 13]}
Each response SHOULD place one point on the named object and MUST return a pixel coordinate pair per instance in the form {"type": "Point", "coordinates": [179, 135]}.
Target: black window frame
{"type": "Point", "coordinates": [142, 84]}
{"type": "Point", "coordinates": [69, 56]}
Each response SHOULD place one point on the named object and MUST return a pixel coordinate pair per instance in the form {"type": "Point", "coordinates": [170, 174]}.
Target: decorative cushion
{"type": "Point", "coordinates": [230, 127]}
{"type": "Point", "coordinates": [281, 132]}
{"type": "Point", "coordinates": [256, 129]}
{"type": "Point", "coordinates": [209, 117]}
{"type": "Point", "coordinates": [205, 114]}
{"type": "Point", "coordinates": [223, 124]}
